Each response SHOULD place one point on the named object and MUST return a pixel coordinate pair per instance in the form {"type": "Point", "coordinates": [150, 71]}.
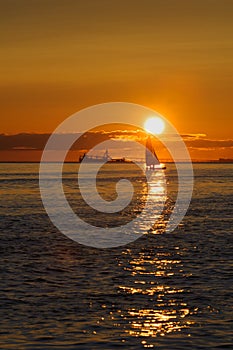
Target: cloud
{"type": "Point", "coordinates": [207, 143]}
{"type": "Point", "coordinates": [26, 141]}
{"type": "Point", "coordinates": [23, 141]}
{"type": "Point", "coordinates": [192, 136]}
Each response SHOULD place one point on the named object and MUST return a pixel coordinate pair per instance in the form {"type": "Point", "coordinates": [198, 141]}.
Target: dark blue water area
{"type": "Point", "coordinates": [163, 291]}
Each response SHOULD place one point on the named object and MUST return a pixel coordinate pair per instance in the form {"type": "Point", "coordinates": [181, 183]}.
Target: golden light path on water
{"type": "Point", "coordinates": [169, 312]}
{"type": "Point", "coordinates": [151, 275]}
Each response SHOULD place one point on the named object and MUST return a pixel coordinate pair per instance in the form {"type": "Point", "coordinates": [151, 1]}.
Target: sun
{"type": "Point", "coordinates": [154, 125]}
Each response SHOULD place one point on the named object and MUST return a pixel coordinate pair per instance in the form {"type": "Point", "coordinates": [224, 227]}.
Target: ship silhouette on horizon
{"type": "Point", "coordinates": [151, 159]}
{"type": "Point", "coordinates": [106, 158]}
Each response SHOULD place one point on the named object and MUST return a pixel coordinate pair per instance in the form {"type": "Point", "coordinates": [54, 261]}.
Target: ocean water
{"type": "Point", "coordinates": [162, 291]}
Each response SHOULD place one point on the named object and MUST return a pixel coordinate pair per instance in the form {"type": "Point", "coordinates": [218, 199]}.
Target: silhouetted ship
{"type": "Point", "coordinates": [152, 161]}
{"type": "Point", "coordinates": [102, 159]}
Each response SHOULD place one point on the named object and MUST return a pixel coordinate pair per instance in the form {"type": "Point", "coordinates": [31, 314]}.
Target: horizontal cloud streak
{"type": "Point", "coordinates": [206, 143]}
{"type": "Point", "coordinates": [27, 141]}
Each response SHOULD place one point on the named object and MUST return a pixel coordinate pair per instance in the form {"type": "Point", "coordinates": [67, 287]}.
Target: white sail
{"type": "Point", "coordinates": [151, 157]}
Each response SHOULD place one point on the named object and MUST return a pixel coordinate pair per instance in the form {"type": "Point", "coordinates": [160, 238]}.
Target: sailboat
{"type": "Point", "coordinates": [152, 161]}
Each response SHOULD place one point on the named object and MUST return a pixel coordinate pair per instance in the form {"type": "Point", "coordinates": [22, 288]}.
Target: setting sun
{"type": "Point", "coordinates": [154, 125]}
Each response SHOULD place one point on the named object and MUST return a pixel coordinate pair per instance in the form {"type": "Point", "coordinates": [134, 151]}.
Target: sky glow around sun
{"type": "Point", "coordinates": [154, 125]}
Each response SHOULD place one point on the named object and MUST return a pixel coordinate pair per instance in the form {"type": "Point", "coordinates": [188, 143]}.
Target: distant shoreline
{"type": "Point", "coordinates": [166, 162]}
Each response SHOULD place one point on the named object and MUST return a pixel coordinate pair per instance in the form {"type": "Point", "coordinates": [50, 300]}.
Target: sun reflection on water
{"type": "Point", "coordinates": [152, 283]}
{"type": "Point", "coordinates": [156, 322]}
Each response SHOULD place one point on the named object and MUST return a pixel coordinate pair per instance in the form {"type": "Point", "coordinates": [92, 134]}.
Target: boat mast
{"type": "Point", "coordinates": [151, 157]}
{"type": "Point", "coordinates": [106, 155]}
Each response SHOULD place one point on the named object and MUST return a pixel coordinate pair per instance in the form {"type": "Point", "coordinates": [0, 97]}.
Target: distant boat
{"type": "Point", "coordinates": [102, 159]}
{"type": "Point", "coordinates": [95, 159]}
{"type": "Point", "coordinates": [152, 161]}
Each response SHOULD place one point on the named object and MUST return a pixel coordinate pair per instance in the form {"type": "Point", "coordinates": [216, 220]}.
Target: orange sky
{"type": "Point", "coordinates": [173, 56]}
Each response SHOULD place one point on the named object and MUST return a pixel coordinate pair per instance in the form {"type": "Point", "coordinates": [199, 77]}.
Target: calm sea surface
{"type": "Point", "coordinates": [163, 291]}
